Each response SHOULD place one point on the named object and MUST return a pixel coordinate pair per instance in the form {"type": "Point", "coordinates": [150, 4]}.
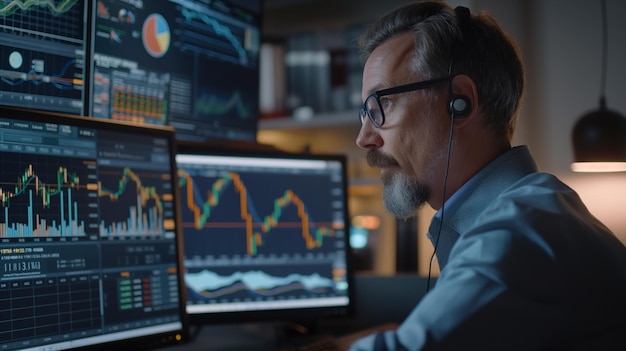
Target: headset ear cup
{"type": "Point", "coordinates": [460, 106]}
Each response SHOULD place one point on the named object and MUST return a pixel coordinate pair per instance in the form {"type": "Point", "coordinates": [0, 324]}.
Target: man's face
{"type": "Point", "coordinates": [410, 147]}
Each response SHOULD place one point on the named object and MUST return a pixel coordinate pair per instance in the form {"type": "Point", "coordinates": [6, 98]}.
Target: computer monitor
{"type": "Point", "coordinates": [42, 46]}
{"type": "Point", "coordinates": [90, 251]}
{"type": "Point", "coordinates": [190, 64]}
{"type": "Point", "coordinates": [266, 236]}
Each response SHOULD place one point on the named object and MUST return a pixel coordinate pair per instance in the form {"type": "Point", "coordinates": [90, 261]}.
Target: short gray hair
{"type": "Point", "coordinates": [475, 46]}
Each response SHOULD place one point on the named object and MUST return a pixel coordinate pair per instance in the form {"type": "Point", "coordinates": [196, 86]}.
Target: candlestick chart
{"type": "Point", "coordinates": [48, 197]}
{"type": "Point", "coordinates": [252, 214]}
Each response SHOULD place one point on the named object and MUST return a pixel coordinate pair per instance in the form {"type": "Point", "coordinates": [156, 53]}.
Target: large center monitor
{"type": "Point", "coordinates": [90, 251]}
{"type": "Point", "coordinates": [266, 235]}
{"type": "Point", "coordinates": [190, 64]}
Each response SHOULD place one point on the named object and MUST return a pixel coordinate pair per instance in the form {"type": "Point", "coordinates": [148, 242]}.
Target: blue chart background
{"type": "Point", "coordinates": [45, 167]}
{"type": "Point", "coordinates": [224, 233]}
{"type": "Point", "coordinates": [119, 210]}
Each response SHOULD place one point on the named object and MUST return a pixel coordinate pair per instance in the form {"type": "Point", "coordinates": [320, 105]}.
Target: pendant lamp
{"type": "Point", "coordinates": [599, 136]}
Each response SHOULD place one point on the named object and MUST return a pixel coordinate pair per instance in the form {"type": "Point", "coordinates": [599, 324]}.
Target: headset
{"type": "Point", "coordinates": [459, 106]}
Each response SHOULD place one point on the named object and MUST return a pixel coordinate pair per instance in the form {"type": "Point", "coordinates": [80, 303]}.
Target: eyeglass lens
{"type": "Point", "coordinates": [373, 110]}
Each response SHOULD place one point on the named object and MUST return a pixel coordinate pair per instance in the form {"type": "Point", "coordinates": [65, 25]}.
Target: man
{"type": "Point", "coordinates": [524, 265]}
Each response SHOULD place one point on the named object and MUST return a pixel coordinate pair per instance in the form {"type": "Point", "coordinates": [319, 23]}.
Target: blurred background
{"type": "Point", "coordinates": [311, 91]}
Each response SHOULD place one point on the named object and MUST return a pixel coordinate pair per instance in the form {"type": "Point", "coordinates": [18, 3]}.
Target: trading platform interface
{"type": "Point", "coordinates": [189, 64]}
{"type": "Point", "coordinates": [263, 233]}
{"type": "Point", "coordinates": [42, 46]}
{"type": "Point", "coordinates": [88, 236]}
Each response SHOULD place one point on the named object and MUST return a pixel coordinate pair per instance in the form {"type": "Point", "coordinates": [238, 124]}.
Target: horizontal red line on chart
{"type": "Point", "coordinates": [256, 224]}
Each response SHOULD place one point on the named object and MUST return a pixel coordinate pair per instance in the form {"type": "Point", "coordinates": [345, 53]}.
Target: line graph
{"type": "Point", "coordinates": [211, 285]}
{"type": "Point", "coordinates": [265, 283]}
{"type": "Point", "coordinates": [62, 19]}
{"type": "Point", "coordinates": [61, 79]}
{"type": "Point", "coordinates": [134, 203]}
{"type": "Point", "coordinates": [224, 209]}
{"type": "Point", "coordinates": [213, 105]}
{"type": "Point", "coordinates": [13, 6]}
{"type": "Point", "coordinates": [230, 44]}
{"type": "Point", "coordinates": [44, 49]}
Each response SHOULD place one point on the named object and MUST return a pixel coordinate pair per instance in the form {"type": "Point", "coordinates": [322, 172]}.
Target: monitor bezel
{"type": "Point", "coordinates": [143, 342]}
{"type": "Point", "coordinates": [307, 316]}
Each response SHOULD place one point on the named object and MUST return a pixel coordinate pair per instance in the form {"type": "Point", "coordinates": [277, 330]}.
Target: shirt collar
{"type": "Point", "coordinates": [465, 205]}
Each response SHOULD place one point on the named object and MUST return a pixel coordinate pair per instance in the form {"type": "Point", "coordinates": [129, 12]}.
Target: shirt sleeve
{"type": "Point", "coordinates": [482, 299]}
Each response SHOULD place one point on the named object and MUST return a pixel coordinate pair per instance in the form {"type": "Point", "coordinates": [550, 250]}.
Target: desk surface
{"type": "Point", "coordinates": [262, 337]}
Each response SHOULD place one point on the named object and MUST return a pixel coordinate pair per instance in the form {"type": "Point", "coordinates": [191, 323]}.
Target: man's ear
{"type": "Point", "coordinates": [463, 103]}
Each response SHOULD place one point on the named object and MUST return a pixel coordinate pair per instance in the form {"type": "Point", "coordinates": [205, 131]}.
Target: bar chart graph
{"type": "Point", "coordinates": [134, 203]}
{"type": "Point", "coordinates": [49, 200]}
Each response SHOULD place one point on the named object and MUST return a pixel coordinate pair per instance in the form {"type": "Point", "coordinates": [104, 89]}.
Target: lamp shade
{"type": "Point", "coordinates": [600, 137]}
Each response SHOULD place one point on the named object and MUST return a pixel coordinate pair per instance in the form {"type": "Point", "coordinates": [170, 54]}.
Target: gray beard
{"type": "Point", "coordinates": [403, 196]}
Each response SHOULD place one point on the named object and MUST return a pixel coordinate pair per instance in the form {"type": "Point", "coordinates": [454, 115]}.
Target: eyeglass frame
{"type": "Point", "coordinates": [405, 88]}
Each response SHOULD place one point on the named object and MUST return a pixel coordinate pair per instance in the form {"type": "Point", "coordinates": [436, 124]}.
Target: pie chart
{"type": "Point", "coordinates": [156, 35]}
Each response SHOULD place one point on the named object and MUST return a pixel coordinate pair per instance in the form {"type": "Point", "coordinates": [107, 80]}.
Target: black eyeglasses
{"type": "Point", "coordinates": [373, 109]}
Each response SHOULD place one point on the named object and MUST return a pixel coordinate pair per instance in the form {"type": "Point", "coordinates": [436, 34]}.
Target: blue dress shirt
{"type": "Point", "coordinates": [524, 266]}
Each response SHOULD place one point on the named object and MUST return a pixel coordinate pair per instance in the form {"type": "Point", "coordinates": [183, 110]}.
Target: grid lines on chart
{"type": "Point", "coordinates": [47, 306]}
{"type": "Point", "coordinates": [45, 18]}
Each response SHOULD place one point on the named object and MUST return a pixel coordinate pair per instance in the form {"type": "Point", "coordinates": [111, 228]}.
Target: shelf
{"type": "Point", "coordinates": [322, 120]}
